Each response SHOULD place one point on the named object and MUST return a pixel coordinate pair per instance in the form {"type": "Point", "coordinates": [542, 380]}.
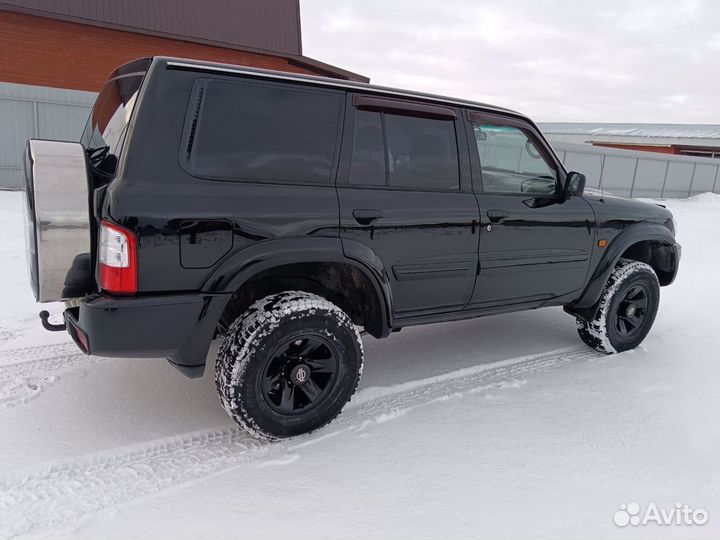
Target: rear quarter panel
{"type": "Point", "coordinates": [156, 198]}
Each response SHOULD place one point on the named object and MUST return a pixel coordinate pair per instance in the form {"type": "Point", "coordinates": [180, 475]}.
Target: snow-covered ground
{"type": "Point", "coordinates": [502, 427]}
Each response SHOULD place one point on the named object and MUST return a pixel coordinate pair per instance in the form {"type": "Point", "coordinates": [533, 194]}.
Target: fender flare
{"type": "Point", "coordinates": [631, 235]}
{"type": "Point", "coordinates": [240, 266]}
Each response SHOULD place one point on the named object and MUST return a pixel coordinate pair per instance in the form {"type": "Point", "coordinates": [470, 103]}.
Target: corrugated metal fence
{"type": "Point", "coordinates": [50, 113]}
{"type": "Point", "coordinates": [641, 174]}
{"type": "Point", "coordinates": [36, 112]}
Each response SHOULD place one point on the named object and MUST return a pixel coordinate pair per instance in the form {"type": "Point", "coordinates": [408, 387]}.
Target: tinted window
{"type": "Point", "coordinates": [422, 152]}
{"type": "Point", "coordinates": [368, 160]}
{"type": "Point", "coordinates": [248, 131]}
{"type": "Point", "coordinates": [111, 113]}
{"type": "Point", "coordinates": [511, 162]}
{"type": "Point", "coordinates": [417, 153]}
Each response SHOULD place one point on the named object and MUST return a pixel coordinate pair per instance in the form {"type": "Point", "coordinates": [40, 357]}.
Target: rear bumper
{"type": "Point", "coordinates": [179, 327]}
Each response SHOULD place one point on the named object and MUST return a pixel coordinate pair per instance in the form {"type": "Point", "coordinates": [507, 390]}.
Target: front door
{"type": "Point", "coordinates": [534, 245]}
{"type": "Point", "coordinates": [406, 195]}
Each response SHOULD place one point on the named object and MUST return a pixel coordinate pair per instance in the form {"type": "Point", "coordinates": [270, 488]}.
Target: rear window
{"type": "Point", "coordinates": [246, 131]}
{"type": "Point", "coordinates": [108, 122]}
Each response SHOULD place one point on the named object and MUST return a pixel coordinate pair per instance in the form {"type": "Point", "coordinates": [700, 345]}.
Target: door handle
{"type": "Point", "coordinates": [497, 216]}
{"type": "Point", "coordinates": [366, 217]}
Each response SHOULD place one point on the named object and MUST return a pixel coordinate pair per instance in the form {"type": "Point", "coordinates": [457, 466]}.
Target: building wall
{"type": "Point", "coordinates": [632, 141]}
{"type": "Point", "coordinates": [266, 25]}
{"type": "Point", "coordinates": [47, 52]}
{"type": "Point", "coordinates": [50, 71]}
{"type": "Point", "coordinates": [639, 147]}
{"type": "Point", "coordinates": [56, 54]}
{"type": "Point", "coordinates": [676, 149]}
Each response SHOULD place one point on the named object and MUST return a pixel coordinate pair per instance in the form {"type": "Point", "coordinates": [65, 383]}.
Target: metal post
{"type": "Point", "coordinates": [692, 179]}
{"type": "Point", "coordinates": [632, 186]}
{"type": "Point", "coordinates": [602, 169]}
{"type": "Point", "coordinates": [662, 190]}
{"type": "Point", "coordinates": [36, 120]}
{"type": "Point", "coordinates": [716, 177]}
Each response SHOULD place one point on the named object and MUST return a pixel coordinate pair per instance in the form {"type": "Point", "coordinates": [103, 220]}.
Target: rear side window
{"type": "Point", "coordinates": [404, 151]}
{"type": "Point", "coordinates": [245, 131]}
{"type": "Point", "coordinates": [422, 151]}
{"type": "Point", "coordinates": [368, 159]}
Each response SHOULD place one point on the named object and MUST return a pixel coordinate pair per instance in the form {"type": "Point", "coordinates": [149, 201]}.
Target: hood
{"type": "Point", "coordinates": [612, 207]}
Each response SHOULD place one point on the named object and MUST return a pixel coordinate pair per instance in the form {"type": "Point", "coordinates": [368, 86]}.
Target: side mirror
{"type": "Point", "coordinates": [574, 185]}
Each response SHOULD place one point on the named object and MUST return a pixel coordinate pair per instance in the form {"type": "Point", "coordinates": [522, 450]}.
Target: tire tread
{"type": "Point", "coordinates": [238, 348]}
{"type": "Point", "coordinates": [594, 333]}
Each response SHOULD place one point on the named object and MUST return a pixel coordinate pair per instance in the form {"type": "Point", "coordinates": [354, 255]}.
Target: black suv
{"type": "Point", "coordinates": [286, 213]}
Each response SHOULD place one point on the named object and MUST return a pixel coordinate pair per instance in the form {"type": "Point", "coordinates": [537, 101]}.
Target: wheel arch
{"type": "Point", "coordinates": [316, 265]}
{"type": "Point", "coordinates": [645, 242]}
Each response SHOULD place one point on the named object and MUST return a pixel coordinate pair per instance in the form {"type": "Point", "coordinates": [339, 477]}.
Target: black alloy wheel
{"type": "Point", "coordinates": [299, 374]}
{"type": "Point", "coordinates": [632, 310]}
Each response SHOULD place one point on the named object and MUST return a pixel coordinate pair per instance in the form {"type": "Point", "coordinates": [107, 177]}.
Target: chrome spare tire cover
{"type": "Point", "coordinates": [57, 220]}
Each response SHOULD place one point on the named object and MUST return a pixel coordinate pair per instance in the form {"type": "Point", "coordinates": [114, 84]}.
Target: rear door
{"type": "Point", "coordinates": [405, 194]}
{"type": "Point", "coordinates": [534, 246]}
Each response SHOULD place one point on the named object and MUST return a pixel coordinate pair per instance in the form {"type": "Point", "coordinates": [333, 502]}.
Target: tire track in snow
{"type": "Point", "coordinates": [62, 494]}
{"type": "Point", "coordinates": [26, 373]}
{"type": "Point", "coordinates": [39, 353]}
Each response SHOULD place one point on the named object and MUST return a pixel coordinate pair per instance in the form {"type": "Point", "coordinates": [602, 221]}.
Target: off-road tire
{"type": "Point", "coordinates": [251, 348]}
{"type": "Point", "coordinates": [602, 332]}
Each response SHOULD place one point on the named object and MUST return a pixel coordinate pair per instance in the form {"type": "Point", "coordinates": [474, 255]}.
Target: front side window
{"type": "Point", "coordinates": [511, 161]}
{"type": "Point", "coordinates": [266, 132]}
{"type": "Point", "coordinates": [396, 150]}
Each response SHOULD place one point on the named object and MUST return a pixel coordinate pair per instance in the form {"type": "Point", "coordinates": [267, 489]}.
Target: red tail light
{"type": "Point", "coordinates": [117, 256]}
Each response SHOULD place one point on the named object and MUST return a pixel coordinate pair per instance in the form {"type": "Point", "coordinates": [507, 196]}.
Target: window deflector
{"type": "Point", "coordinates": [398, 106]}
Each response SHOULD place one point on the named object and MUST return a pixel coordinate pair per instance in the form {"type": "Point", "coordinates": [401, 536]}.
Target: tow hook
{"type": "Point", "coordinates": [44, 315]}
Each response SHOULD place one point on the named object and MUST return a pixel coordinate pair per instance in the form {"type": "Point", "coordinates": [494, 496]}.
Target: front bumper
{"type": "Point", "coordinates": [179, 327]}
{"type": "Point", "coordinates": [677, 252]}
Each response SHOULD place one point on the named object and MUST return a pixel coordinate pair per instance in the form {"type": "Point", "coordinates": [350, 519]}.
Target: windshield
{"type": "Point", "coordinates": [110, 116]}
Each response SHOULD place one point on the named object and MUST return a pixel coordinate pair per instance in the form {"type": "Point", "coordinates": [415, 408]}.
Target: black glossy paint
{"type": "Point", "coordinates": [430, 255]}
{"type": "Point", "coordinates": [426, 239]}
{"type": "Point", "coordinates": [532, 253]}
{"type": "Point", "coordinates": [204, 242]}
{"type": "Point", "coordinates": [533, 248]}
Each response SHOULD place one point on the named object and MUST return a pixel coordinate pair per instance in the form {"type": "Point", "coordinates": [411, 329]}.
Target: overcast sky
{"type": "Point", "coordinates": [594, 61]}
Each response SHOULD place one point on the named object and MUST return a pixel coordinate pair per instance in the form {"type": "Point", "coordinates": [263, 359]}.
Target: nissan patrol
{"type": "Point", "coordinates": [285, 213]}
